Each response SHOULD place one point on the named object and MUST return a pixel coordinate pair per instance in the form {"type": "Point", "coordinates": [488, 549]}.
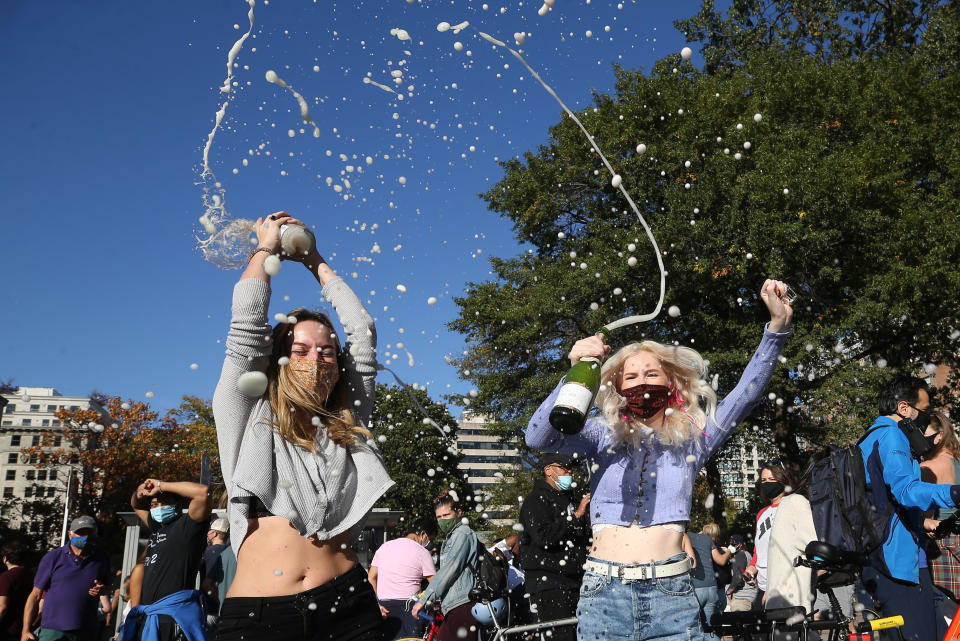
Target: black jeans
{"type": "Point", "coordinates": [344, 609]}
{"type": "Point", "coordinates": [399, 623]}
{"type": "Point", "coordinates": [553, 605]}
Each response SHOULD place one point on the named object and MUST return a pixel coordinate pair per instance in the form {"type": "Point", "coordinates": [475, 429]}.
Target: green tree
{"type": "Point", "coordinates": [847, 190]}
{"type": "Point", "coordinates": [420, 459]}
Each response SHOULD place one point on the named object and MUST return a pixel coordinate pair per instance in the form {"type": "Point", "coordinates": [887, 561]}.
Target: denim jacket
{"type": "Point", "coordinates": [459, 557]}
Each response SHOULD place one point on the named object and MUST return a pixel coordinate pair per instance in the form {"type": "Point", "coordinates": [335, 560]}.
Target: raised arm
{"type": "Point", "coordinates": [248, 342]}
{"type": "Point", "coordinates": [756, 376]}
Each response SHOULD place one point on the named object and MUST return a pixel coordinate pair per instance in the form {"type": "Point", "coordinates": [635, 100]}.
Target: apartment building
{"type": "Point", "coordinates": [28, 413]}
{"type": "Point", "coordinates": [484, 457]}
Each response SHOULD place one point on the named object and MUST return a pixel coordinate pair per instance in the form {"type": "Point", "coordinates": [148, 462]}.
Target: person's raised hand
{"type": "Point", "coordinates": [151, 487]}
{"type": "Point", "coordinates": [592, 346]}
{"type": "Point", "coordinates": [268, 230]}
{"type": "Point", "coordinates": [774, 296]}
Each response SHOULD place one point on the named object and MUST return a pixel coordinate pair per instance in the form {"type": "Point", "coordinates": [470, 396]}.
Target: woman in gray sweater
{"type": "Point", "coordinates": [300, 469]}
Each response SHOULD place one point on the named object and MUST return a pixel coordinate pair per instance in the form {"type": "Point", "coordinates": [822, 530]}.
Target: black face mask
{"type": "Point", "coordinates": [771, 489]}
{"type": "Point", "coordinates": [913, 429]}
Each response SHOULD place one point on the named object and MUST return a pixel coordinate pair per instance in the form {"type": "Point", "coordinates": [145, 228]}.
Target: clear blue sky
{"type": "Point", "coordinates": [105, 111]}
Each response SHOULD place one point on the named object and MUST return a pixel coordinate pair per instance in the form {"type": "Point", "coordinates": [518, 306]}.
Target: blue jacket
{"type": "Point", "coordinates": [459, 556]}
{"type": "Point", "coordinates": [184, 606]}
{"type": "Point", "coordinates": [901, 474]}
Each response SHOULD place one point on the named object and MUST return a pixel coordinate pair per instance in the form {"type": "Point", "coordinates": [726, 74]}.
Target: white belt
{"type": "Point", "coordinates": [643, 572]}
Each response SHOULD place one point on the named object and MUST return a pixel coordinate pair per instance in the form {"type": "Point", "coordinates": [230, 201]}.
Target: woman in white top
{"type": "Point", "coordinates": [300, 469]}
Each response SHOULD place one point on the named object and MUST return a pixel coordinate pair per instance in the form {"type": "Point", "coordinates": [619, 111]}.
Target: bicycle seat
{"type": "Point", "coordinates": [831, 555]}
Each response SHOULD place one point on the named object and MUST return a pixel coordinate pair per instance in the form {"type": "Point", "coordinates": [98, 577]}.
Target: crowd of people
{"type": "Point", "coordinates": [302, 473]}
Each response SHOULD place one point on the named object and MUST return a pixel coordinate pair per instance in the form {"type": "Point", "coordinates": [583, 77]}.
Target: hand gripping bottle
{"type": "Point", "coordinates": [580, 388]}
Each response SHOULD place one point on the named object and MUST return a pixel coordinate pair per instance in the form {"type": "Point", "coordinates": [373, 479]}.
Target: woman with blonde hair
{"type": "Point", "coordinates": [300, 469]}
{"type": "Point", "coordinates": [943, 466]}
{"type": "Point", "coordinates": [659, 423]}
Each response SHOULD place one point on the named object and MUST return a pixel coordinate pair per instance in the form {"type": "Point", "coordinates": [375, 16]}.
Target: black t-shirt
{"type": "Point", "coordinates": [173, 557]}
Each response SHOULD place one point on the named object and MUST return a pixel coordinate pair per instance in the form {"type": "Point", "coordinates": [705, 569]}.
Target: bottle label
{"type": "Point", "coordinates": [575, 396]}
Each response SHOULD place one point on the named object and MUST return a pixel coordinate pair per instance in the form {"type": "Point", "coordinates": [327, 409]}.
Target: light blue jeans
{"type": "Point", "coordinates": [665, 609]}
{"type": "Point", "coordinates": [708, 598]}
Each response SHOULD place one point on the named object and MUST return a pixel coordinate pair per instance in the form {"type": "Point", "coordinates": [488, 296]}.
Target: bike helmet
{"type": "Point", "coordinates": [481, 612]}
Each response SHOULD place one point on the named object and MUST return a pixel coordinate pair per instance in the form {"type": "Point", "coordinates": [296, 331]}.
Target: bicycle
{"type": "Point", "coordinates": [831, 568]}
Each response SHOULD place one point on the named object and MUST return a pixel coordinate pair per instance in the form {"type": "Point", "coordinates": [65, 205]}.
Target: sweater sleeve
{"type": "Point", "coordinates": [360, 366]}
{"type": "Point", "coordinates": [248, 350]}
{"type": "Point", "coordinates": [541, 436]}
{"type": "Point", "coordinates": [741, 400]}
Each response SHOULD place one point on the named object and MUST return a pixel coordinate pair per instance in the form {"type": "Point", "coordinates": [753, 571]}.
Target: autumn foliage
{"type": "Point", "coordinates": [112, 453]}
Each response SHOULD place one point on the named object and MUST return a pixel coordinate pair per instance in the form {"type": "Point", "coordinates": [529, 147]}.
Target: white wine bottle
{"type": "Point", "coordinates": [580, 388]}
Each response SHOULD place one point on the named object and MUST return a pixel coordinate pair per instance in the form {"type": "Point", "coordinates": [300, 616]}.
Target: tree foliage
{"type": "Point", "coordinates": [847, 190]}
{"type": "Point", "coordinates": [421, 461]}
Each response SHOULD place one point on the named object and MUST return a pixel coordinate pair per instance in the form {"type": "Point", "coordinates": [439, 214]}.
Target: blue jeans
{"type": "Point", "coordinates": [666, 608]}
{"type": "Point", "coordinates": [708, 603]}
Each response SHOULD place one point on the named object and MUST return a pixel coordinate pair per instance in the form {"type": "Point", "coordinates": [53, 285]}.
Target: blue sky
{"type": "Point", "coordinates": [105, 113]}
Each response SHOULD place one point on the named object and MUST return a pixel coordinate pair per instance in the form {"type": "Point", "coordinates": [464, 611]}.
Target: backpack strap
{"type": "Point", "coordinates": [869, 432]}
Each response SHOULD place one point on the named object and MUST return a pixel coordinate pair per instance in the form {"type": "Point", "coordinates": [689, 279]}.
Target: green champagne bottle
{"type": "Point", "coordinates": [580, 388]}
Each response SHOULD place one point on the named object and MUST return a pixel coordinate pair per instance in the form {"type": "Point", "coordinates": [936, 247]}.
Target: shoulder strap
{"type": "Point", "coordinates": [869, 432]}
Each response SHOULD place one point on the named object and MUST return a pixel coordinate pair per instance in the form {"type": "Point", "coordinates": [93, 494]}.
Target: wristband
{"type": "Point", "coordinates": [257, 251]}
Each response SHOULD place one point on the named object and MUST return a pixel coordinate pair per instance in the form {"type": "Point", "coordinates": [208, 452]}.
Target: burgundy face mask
{"type": "Point", "coordinates": [643, 401]}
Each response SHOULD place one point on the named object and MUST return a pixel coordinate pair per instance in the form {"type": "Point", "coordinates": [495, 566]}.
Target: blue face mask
{"type": "Point", "coordinates": [163, 513]}
{"type": "Point", "coordinates": [564, 482]}
{"type": "Point", "coordinates": [78, 541]}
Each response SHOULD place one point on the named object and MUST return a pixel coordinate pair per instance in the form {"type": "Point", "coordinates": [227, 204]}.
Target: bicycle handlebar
{"type": "Point", "coordinates": [425, 616]}
{"type": "Point", "coordinates": [880, 624]}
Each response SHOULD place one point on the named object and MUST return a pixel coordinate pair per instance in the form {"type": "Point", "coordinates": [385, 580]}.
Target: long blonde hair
{"type": "Point", "coordinates": [686, 372]}
{"type": "Point", "coordinates": [295, 405]}
{"type": "Point", "coordinates": [949, 443]}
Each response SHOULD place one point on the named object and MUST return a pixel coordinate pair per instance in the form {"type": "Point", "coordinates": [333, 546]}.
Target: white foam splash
{"type": "Point", "coordinates": [629, 320]}
{"type": "Point", "coordinates": [369, 81]}
{"type": "Point", "coordinates": [272, 77]}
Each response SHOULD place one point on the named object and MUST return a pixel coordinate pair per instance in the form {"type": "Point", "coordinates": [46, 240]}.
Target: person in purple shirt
{"type": "Point", "coordinates": [72, 577]}
{"type": "Point", "coordinates": [658, 424]}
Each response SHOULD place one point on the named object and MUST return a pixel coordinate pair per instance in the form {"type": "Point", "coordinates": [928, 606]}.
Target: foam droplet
{"type": "Point", "coordinates": [616, 180]}
{"type": "Point", "coordinates": [674, 311]}
{"type": "Point", "coordinates": [432, 300]}
{"type": "Point", "coordinates": [757, 117]}
{"type": "Point", "coordinates": [686, 53]}
{"type": "Point", "coordinates": [252, 383]}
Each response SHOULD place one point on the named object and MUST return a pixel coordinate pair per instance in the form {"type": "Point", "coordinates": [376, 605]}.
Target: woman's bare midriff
{"type": "Point", "coordinates": [274, 560]}
{"type": "Point", "coordinates": [636, 544]}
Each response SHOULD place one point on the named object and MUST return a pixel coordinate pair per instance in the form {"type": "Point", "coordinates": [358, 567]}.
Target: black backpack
{"type": "Point", "coordinates": [490, 575]}
{"type": "Point", "coordinates": [847, 512]}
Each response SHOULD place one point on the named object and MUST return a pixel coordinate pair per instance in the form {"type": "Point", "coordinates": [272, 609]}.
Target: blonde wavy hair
{"type": "Point", "coordinates": [686, 372]}
{"type": "Point", "coordinates": [295, 405]}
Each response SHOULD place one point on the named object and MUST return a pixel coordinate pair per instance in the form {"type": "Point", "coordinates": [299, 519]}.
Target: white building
{"type": "Point", "coordinates": [484, 456]}
{"type": "Point", "coordinates": [28, 413]}
{"type": "Point", "coordinates": [739, 470]}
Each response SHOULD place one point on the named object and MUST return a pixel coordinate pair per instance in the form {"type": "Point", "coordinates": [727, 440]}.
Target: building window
{"type": "Point", "coordinates": [35, 440]}
{"type": "Point", "coordinates": [31, 475]}
{"type": "Point", "coordinates": [15, 440]}
{"type": "Point", "coordinates": [51, 408]}
{"type": "Point", "coordinates": [7, 422]}
{"type": "Point", "coordinates": [27, 421]}
{"type": "Point", "coordinates": [34, 408]}
{"type": "Point", "coordinates": [12, 457]}
{"type": "Point", "coordinates": [11, 475]}
{"type": "Point", "coordinates": [33, 459]}
{"type": "Point", "coordinates": [11, 408]}
{"type": "Point", "coordinates": [45, 422]}
{"type": "Point", "coordinates": [57, 440]}
{"type": "Point", "coordinates": [53, 475]}
{"type": "Point", "coordinates": [27, 492]}
{"type": "Point", "coordinates": [42, 475]}
{"type": "Point", "coordinates": [7, 492]}
{"type": "Point", "coordinates": [50, 492]}
{"type": "Point", "coordinates": [56, 423]}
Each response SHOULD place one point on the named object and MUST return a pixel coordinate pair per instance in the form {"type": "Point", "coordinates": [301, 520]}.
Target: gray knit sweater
{"type": "Point", "coordinates": [326, 493]}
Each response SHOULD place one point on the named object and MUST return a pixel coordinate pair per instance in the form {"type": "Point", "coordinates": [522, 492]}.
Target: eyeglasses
{"type": "Point", "coordinates": [773, 463]}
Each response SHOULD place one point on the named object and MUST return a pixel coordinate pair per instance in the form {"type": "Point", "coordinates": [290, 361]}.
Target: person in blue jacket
{"type": "Point", "coordinates": [891, 451]}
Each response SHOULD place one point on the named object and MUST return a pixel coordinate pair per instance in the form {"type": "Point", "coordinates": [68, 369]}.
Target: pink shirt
{"type": "Point", "coordinates": [401, 564]}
